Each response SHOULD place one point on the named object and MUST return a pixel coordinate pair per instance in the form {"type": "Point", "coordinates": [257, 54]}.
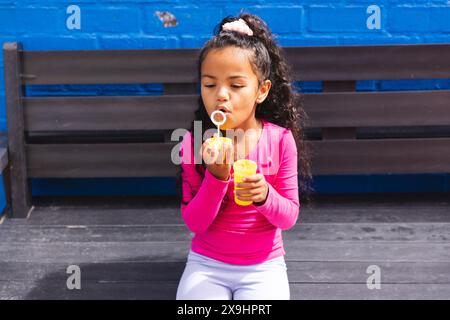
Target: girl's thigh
{"type": "Point", "coordinates": [200, 283]}
{"type": "Point", "coordinates": [266, 285]}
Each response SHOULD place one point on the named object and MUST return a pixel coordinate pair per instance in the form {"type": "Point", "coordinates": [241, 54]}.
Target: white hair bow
{"type": "Point", "coordinates": [239, 26]}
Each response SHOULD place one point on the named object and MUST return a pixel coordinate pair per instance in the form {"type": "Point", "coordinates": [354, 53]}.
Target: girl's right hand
{"type": "Point", "coordinates": [218, 158]}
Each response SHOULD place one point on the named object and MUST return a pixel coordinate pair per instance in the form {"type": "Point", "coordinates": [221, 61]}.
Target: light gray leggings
{"type": "Point", "coordinates": [209, 279]}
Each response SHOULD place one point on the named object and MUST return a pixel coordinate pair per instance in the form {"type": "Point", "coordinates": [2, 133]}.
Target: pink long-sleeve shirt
{"type": "Point", "coordinates": [235, 234]}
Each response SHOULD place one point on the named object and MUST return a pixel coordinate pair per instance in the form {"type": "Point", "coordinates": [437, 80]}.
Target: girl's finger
{"type": "Point", "coordinates": [249, 198]}
{"type": "Point", "coordinates": [220, 155]}
{"type": "Point", "coordinates": [251, 185]}
{"type": "Point", "coordinates": [258, 190]}
{"type": "Point", "coordinates": [246, 192]}
{"type": "Point", "coordinates": [254, 178]}
{"type": "Point", "coordinates": [209, 155]}
{"type": "Point", "coordinates": [229, 157]}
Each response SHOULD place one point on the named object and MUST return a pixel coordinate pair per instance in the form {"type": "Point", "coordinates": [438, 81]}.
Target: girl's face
{"type": "Point", "coordinates": [229, 83]}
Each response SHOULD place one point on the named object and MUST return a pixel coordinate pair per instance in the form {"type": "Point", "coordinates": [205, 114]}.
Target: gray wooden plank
{"type": "Point", "coordinates": [355, 62]}
{"type": "Point", "coordinates": [337, 133]}
{"type": "Point", "coordinates": [83, 216]}
{"type": "Point", "coordinates": [103, 271]}
{"type": "Point", "coordinates": [20, 188]}
{"type": "Point", "coordinates": [307, 63]}
{"type": "Point", "coordinates": [377, 109]}
{"type": "Point", "coordinates": [298, 271]}
{"type": "Point", "coordinates": [352, 156]}
{"type": "Point", "coordinates": [299, 250]}
{"type": "Point", "coordinates": [167, 291]}
{"type": "Point", "coordinates": [3, 158]}
{"type": "Point", "coordinates": [382, 208]}
{"type": "Point", "coordinates": [361, 292]}
{"type": "Point", "coordinates": [111, 113]}
{"type": "Point", "coordinates": [102, 66]}
{"type": "Point", "coordinates": [51, 290]}
{"type": "Point", "coordinates": [323, 200]}
{"type": "Point", "coordinates": [100, 160]}
{"type": "Point", "coordinates": [380, 156]}
{"type": "Point", "coordinates": [179, 232]}
{"type": "Point", "coordinates": [82, 233]}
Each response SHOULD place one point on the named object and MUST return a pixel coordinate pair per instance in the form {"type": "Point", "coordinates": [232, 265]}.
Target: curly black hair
{"type": "Point", "coordinates": [282, 106]}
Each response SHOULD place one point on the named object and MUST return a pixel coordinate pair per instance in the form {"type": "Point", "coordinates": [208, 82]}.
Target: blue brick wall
{"type": "Point", "coordinates": [133, 24]}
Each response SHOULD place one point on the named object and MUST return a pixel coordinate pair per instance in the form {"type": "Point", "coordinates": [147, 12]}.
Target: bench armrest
{"type": "Point", "coordinates": [3, 159]}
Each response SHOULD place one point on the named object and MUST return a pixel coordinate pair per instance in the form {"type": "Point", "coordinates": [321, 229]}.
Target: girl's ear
{"type": "Point", "coordinates": [263, 91]}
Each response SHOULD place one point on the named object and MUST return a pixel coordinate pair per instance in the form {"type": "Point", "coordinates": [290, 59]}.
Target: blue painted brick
{"type": "Point", "coordinates": [341, 183]}
{"type": "Point", "coordinates": [188, 41]}
{"type": "Point", "coordinates": [110, 19]}
{"type": "Point", "coordinates": [340, 19]}
{"type": "Point", "coordinates": [41, 19]}
{"type": "Point", "coordinates": [138, 42]}
{"type": "Point", "coordinates": [286, 19]}
{"type": "Point", "coordinates": [307, 40]}
{"type": "Point", "coordinates": [428, 84]}
{"type": "Point", "coordinates": [9, 23]}
{"type": "Point", "coordinates": [2, 106]}
{"type": "Point", "coordinates": [191, 20]}
{"type": "Point", "coordinates": [408, 183]}
{"type": "Point", "coordinates": [54, 42]}
{"type": "Point", "coordinates": [366, 85]}
{"type": "Point", "coordinates": [377, 38]}
{"type": "Point", "coordinates": [104, 186]}
{"type": "Point", "coordinates": [419, 19]}
{"type": "Point", "coordinates": [2, 78]}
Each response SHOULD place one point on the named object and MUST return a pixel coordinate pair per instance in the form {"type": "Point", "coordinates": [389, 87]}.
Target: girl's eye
{"type": "Point", "coordinates": [237, 86]}
{"type": "Point", "coordinates": [212, 85]}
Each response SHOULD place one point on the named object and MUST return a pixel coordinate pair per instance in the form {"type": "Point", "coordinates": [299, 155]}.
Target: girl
{"type": "Point", "coordinates": [237, 251]}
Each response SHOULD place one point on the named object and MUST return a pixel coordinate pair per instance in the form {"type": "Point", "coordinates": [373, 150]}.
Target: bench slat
{"type": "Point", "coordinates": [358, 109]}
{"type": "Point", "coordinates": [109, 113]}
{"type": "Point", "coordinates": [298, 271]}
{"type": "Point", "coordinates": [299, 250]}
{"type": "Point", "coordinates": [3, 159]}
{"type": "Point", "coordinates": [100, 160]}
{"type": "Point", "coordinates": [110, 66]}
{"type": "Point", "coordinates": [378, 62]}
{"type": "Point", "coordinates": [154, 159]}
{"type": "Point", "coordinates": [378, 109]}
{"type": "Point", "coordinates": [179, 232]}
{"type": "Point", "coordinates": [179, 65]}
{"type": "Point", "coordinates": [381, 156]}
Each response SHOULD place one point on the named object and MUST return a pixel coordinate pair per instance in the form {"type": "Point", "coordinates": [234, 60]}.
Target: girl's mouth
{"type": "Point", "coordinates": [224, 110]}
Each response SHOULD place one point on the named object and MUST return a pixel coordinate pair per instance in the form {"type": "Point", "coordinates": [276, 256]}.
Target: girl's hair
{"type": "Point", "coordinates": [282, 106]}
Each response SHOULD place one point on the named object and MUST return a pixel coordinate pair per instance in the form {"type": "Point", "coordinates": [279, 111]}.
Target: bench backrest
{"type": "Point", "coordinates": [129, 136]}
{"type": "Point", "coordinates": [376, 132]}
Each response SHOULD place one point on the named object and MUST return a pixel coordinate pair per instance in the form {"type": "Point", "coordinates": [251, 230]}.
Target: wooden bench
{"type": "Point", "coordinates": [129, 136]}
{"type": "Point", "coordinates": [4, 171]}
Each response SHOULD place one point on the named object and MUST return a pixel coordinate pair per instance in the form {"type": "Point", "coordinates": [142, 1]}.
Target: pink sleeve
{"type": "Point", "coordinates": [201, 197]}
{"type": "Point", "coordinates": [282, 205]}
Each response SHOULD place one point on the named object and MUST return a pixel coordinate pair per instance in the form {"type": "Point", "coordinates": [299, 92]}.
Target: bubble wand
{"type": "Point", "coordinates": [218, 123]}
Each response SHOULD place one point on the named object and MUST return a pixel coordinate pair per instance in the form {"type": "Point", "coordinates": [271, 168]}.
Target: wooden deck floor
{"type": "Point", "coordinates": [137, 249]}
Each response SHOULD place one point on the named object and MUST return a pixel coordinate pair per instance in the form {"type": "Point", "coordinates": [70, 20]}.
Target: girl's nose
{"type": "Point", "coordinates": [222, 94]}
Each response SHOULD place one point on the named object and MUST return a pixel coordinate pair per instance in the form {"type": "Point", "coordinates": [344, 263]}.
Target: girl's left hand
{"type": "Point", "coordinates": [256, 189]}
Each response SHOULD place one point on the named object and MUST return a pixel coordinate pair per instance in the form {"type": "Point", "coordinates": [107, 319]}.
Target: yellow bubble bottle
{"type": "Point", "coordinates": [243, 168]}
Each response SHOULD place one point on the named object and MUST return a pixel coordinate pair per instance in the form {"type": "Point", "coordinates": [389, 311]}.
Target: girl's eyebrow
{"type": "Point", "coordinates": [231, 77]}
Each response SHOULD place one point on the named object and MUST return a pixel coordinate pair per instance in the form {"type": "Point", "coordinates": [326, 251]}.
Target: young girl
{"type": "Point", "coordinates": [237, 251]}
